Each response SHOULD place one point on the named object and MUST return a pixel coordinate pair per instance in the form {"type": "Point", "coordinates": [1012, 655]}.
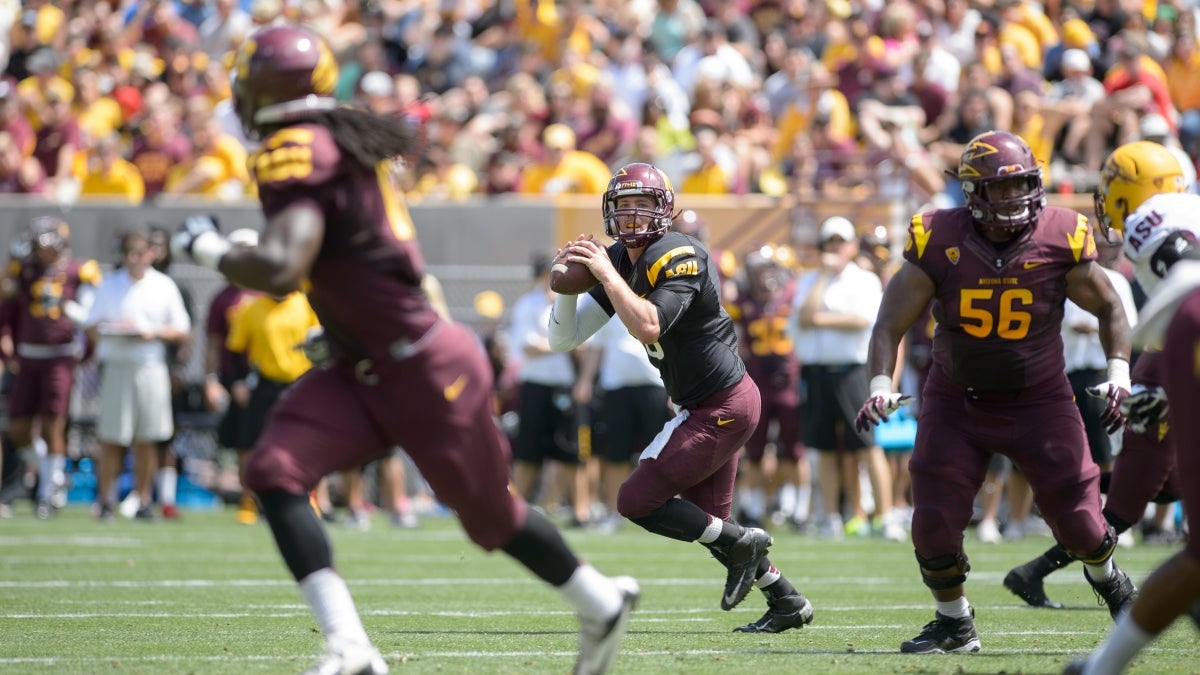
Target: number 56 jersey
{"type": "Point", "coordinates": [999, 308]}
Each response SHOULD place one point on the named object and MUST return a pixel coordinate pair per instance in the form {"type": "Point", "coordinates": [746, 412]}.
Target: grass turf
{"type": "Point", "coordinates": [205, 595]}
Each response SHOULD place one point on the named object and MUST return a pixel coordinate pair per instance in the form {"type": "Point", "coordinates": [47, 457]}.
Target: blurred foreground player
{"type": "Point", "coordinates": [397, 373]}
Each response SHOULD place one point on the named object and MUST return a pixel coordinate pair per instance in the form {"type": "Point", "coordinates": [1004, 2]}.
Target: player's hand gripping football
{"type": "Point", "coordinates": [587, 251]}
{"type": "Point", "coordinates": [1145, 408]}
{"type": "Point", "coordinates": [1113, 393]}
{"type": "Point", "coordinates": [882, 403]}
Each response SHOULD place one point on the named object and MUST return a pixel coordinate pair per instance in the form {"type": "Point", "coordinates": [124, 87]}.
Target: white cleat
{"type": "Point", "coordinates": [599, 641]}
{"type": "Point", "coordinates": [350, 659]}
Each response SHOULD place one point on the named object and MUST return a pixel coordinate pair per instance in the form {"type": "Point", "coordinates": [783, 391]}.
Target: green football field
{"type": "Point", "coordinates": [206, 595]}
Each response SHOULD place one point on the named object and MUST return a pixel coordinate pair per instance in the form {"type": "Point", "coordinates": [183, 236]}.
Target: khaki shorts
{"type": "Point", "coordinates": [135, 403]}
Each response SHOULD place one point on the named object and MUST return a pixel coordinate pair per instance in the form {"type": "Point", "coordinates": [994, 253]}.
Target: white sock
{"type": "Point", "coordinates": [955, 609]}
{"type": "Point", "coordinates": [1101, 572]}
{"type": "Point", "coordinates": [45, 478]}
{"type": "Point", "coordinates": [166, 480]}
{"type": "Point", "coordinates": [51, 475]}
{"type": "Point", "coordinates": [756, 504]}
{"type": "Point", "coordinates": [803, 503]}
{"type": "Point", "coordinates": [711, 532]}
{"type": "Point", "coordinates": [40, 447]}
{"type": "Point", "coordinates": [767, 579]}
{"type": "Point", "coordinates": [1123, 643]}
{"type": "Point", "coordinates": [591, 593]}
{"type": "Point", "coordinates": [331, 604]}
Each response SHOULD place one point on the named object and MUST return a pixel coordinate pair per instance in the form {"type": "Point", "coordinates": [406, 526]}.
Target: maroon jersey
{"type": "Point", "coordinates": [37, 306]}
{"type": "Point", "coordinates": [366, 280]}
{"type": "Point", "coordinates": [220, 311]}
{"type": "Point", "coordinates": [999, 309]}
{"type": "Point", "coordinates": [769, 353]}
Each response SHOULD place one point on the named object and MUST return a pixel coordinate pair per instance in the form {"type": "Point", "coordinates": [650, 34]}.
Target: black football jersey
{"type": "Point", "coordinates": [696, 352]}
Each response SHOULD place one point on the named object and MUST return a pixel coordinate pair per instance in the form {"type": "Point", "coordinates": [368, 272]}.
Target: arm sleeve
{"type": "Point", "coordinates": [574, 319]}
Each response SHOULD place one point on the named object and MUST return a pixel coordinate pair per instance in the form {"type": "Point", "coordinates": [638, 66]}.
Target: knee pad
{"type": "Point", "coordinates": [1105, 550]}
{"type": "Point", "coordinates": [956, 561]}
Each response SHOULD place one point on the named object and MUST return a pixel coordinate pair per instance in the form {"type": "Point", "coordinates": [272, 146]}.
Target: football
{"type": "Point", "coordinates": [571, 278]}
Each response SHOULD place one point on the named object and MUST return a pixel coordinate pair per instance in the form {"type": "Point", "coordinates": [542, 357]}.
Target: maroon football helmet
{"type": "Point", "coordinates": [634, 180]}
{"type": "Point", "coordinates": [990, 165]}
{"type": "Point", "coordinates": [282, 74]}
{"type": "Point", "coordinates": [49, 232]}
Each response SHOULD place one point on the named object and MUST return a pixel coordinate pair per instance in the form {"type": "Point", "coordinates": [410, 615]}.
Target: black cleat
{"type": "Point", "coordinates": [1194, 614]}
{"type": "Point", "coordinates": [1117, 592]}
{"type": "Point", "coordinates": [741, 559]}
{"type": "Point", "coordinates": [944, 635]}
{"type": "Point", "coordinates": [1028, 586]}
{"type": "Point", "coordinates": [793, 611]}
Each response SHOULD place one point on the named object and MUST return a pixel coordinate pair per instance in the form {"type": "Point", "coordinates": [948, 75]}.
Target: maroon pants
{"type": "Point", "coordinates": [1040, 430]}
{"type": "Point", "coordinates": [436, 404]}
{"type": "Point", "coordinates": [699, 460]}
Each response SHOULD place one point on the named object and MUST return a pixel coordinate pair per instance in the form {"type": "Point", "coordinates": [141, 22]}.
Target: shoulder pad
{"type": "Point", "coordinates": [677, 258]}
{"type": "Point", "coordinates": [89, 272]}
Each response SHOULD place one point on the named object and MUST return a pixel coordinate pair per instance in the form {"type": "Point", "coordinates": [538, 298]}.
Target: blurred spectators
{"type": "Point", "coordinates": [102, 172]}
{"type": "Point", "coordinates": [565, 169]}
{"type": "Point", "coordinates": [486, 79]}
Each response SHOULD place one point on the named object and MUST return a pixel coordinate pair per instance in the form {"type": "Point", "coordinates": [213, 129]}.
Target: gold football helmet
{"type": "Point", "coordinates": [1133, 173]}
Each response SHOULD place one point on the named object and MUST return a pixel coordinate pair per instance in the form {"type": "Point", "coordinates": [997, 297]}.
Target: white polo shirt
{"type": "Point", "coordinates": [854, 291]}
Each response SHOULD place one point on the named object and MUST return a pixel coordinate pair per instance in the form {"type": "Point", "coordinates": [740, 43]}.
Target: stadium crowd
{"type": "Point", "coordinates": [131, 99]}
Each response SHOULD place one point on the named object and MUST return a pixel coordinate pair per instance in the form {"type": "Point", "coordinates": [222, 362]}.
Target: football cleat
{"type": "Point", "coordinates": [599, 641]}
{"type": "Point", "coordinates": [944, 635]}
{"type": "Point", "coordinates": [741, 560]}
{"type": "Point", "coordinates": [1028, 586]}
{"type": "Point", "coordinates": [350, 659]}
{"type": "Point", "coordinates": [793, 611]}
{"type": "Point", "coordinates": [1117, 592]}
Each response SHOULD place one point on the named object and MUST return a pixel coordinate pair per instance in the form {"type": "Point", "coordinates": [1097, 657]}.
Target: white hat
{"type": "Point", "coordinates": [837, 226]}
{"type": "Point", "coordinates": [377, 83]}
{"type": "Point", "coordinates": [1153, 125]}
{"type": "Point", "coordinates": [1076, 59]}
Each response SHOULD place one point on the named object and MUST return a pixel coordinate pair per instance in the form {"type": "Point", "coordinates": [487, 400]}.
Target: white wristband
{"type": "Point", "coordinates": [1118, 373]}
{"type": "Point", "coordinates": [209, 248]}
{"type": "Point", "coordinates": [881, 385]}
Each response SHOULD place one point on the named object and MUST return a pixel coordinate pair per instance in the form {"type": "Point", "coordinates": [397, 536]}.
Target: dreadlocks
{"type": "Point", "coordinates": [367, 137]}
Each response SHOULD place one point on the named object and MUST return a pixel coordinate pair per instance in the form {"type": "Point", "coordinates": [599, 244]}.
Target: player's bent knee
{"type": "Point", "coordinates": [492, 526]}
{"type": "Point", "coordinates": [931, 530]}
{"type": "Point", "coordinates": [1082, 537]}
{"type": "Point", "coordinates": [944, 571]}
{"type": "Point", "coordinates": [634, 503]}
{"type": "Point", "coordinates": [1101, 553]}
{"type": "Point", "coordinates": [268, 469]}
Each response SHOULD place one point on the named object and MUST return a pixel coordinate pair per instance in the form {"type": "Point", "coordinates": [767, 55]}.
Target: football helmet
{"type": "Point", "coordinates": [991, 161]}
{"type": "Point", "coordinates": [1133, 173]}
{"type": "Point", "coordinates": [49, 232]}
{"type": "Point", "coordinates": [635, 180]}
{"type": "Point", "coordinates": [763, 268]}
{"type": "Point", "coordinates": [281, 74]}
